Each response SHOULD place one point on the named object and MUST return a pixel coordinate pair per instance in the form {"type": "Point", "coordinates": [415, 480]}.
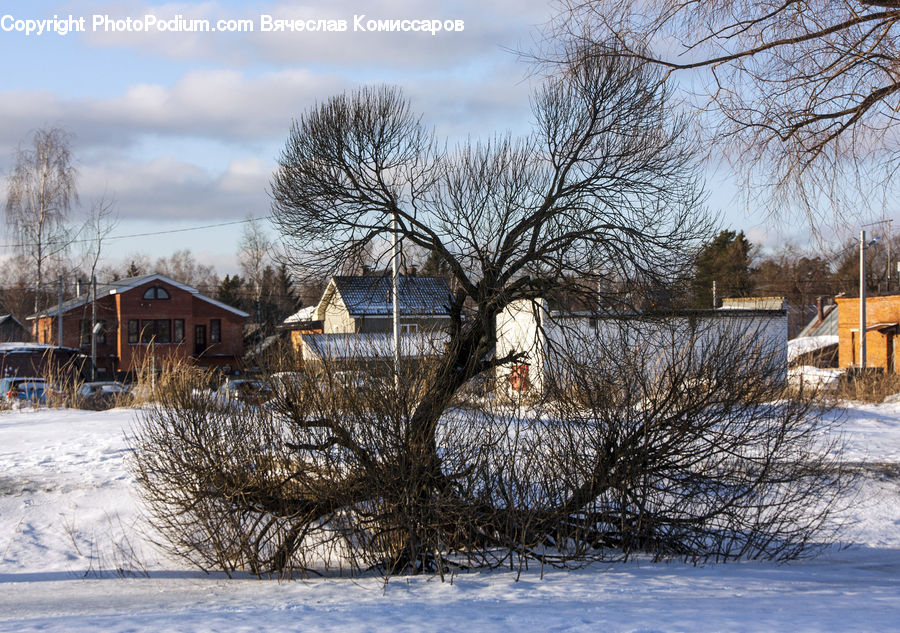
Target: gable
{"type": "Point", "coordinates": [126, 285]}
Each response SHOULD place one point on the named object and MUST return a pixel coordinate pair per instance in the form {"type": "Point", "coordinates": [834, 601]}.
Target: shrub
{"type": "Point", "coordinates": [677, 454]}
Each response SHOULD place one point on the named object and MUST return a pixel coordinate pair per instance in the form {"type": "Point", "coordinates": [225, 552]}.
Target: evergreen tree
{"type": "Point", "coordinates": [230, 291]}
{"type": "Point", "coordinates": [724, 260]}
{"type": "Point", "coordinates": [435, 266]}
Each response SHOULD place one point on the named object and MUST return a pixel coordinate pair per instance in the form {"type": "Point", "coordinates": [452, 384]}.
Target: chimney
{"type": "Point", "coordinates": [820, 310]}
{"type": "Point", "coordinates": [411, 271]}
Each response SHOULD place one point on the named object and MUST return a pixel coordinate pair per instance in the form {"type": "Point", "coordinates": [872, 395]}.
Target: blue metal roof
{"type": "Point", "coordinates": [371, 296]}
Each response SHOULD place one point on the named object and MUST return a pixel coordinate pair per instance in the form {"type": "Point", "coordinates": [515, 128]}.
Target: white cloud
{"type": "Point", "coordinates": [488, 26]}
{"type": "Point", "coordinates": [219, 104]}
{"type": "Point", "coordinates": [168, 189]}
{"type": "Point", "coordinates": [228, 107]}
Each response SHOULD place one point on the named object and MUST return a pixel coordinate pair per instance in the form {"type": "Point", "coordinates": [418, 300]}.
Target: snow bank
{"type": "Point", "coordinates": [806, 344]}
{"type": "Point", "coordinates": [68, 516]}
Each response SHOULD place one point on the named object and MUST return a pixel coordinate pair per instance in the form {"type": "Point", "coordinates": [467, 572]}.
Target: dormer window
{"type": "Point", "coordinates": [156, 292]}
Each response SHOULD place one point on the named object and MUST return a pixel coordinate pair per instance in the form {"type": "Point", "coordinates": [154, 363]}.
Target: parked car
{"type": "Point", "coordinates": [103, 394]}
{"type": "Point", "coordinates": [285, 382]}
{"type": "Point", "coordinates": [244, 390]}
{"type": "Point", "coordinates": [24, 389]}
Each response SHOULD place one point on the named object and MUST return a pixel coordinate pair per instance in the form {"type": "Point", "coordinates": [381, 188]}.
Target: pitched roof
{"type": "Point", "coordinates": [370, 346]}
{"type": "Point", "coordinates": [11, 319]}
{"type": "Point", "coordinates": [371, 296]}
{"type": "Point", "coordinates": [806, 344]}
{"type": "Point", "coordinates": [303, 314]}
{"type": "Point", "coordinates": [753, 303]}
{"type": "Point", "coordinates": [129, 283]}
{"type": "Point", "coordinates": [828, 326]}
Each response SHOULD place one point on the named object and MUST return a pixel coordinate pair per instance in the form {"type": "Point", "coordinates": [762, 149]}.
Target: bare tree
{"type": "Point", "coordinates": [673, 449]}
{"type": "Point", "coordinates": [663, 436]}
{"type": "Point", "coordinates": [254, 257]}
{"type": "Point", "coordinates": [803, 94]}
{"type": "Point", "coordinates": [101, 222]}
{"type": "Point", "coordinates": [183, 266]}
{"type": "Point", "coordinates": [40, 192]}
{"type": "Point", "coordinates": [606, 186]}
{"type": "Point", "coordinates": [16, 288]}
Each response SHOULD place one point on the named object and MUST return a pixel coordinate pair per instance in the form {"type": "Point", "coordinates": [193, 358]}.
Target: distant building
{"type": "Point", "coordinates": [554, 342]}
{"type": "Point", "coordinates": [37, 359]}
{"type": "Point", "coordinates": [372, 352]}
{"type": "Point", "coordinates": [817, 343]}
{"type": "Point", "coordinates": [754, 303]}
{"type": "Point", "coordinates": [358, 304]}
{"type": "Point", "coordinates": [353, 322]}
{"type": "Point", "coordinates": [300, 324]}
{"type": "Point", "coordinates": [144, 317]}
{"type": "Point", "coordinates": [881, 331]}
{"type": "Point", "coordinates": [12, 331]}
{"type": "Point", "coordinates": [825, 323]}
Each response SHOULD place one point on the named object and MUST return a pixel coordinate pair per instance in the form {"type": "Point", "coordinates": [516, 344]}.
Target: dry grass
{"type": "Point", "coordinates": [872, 386]}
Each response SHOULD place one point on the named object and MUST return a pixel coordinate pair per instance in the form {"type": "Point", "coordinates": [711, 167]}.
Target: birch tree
{"type": "Point", "coordinates": [40, 192]}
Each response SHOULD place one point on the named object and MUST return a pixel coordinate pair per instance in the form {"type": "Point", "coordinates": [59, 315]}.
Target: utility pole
{"type": "Point", "coordinates": [889, 221]}
{"type": "Point", "coordinates": [862, 295]}
{"type": "Point", "coordinates": [93, 328]}
{"type": "Point", "coordinates": [396, 304]}
{"type": "Point", "coordinates": [715, 296]}
{"type": "Point", "coordinates": [862, 299]}
{"type": "Point", "coordinates": [59, 328]}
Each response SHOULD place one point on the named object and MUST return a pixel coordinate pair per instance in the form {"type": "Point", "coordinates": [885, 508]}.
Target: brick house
{"type": "Point", "coordinates": [882, 319]}
{"type": "Point", "coordinates": [145, 315]}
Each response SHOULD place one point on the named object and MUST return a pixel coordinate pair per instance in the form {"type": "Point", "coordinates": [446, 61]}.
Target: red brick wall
{"type": "Point", "coordinates": [879, 344]}
{"type": "Point", "coordinates": [180, 305]}
{"type": "Point", "coordinates": [106, 311]}
{"type": "Point", "coordinates": [117, 309]}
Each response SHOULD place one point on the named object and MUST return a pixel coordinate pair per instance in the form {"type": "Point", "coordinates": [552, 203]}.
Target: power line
{"type": "Point", "coordinates": [133, 235]}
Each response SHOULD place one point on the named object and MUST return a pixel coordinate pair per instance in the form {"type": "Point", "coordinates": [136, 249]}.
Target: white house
{"type": "Point", "coordinates": [352, 323]}
{"type": "Point", "coordinates": [554, 342]}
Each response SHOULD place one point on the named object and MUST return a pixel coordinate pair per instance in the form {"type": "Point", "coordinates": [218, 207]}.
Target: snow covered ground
{"type": "Point", "coordinates": [68, 519]}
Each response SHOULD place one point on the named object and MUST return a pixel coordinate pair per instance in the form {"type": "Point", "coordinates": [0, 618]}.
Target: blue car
{"type": "Point", "coordinates": [25, 389]}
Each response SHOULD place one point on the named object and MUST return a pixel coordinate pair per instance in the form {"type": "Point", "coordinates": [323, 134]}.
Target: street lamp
{"type": "Point", "coordinates": [863, 245]}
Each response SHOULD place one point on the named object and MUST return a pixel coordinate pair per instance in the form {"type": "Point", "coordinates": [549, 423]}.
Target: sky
{"type": "Point", "coordinates": [183, 129]}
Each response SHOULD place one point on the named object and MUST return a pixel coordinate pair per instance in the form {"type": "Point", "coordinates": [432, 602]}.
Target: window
{"type": "Point", "coordinates": [178, 330]}
{"type": "Point", "coordinates": [101, 336]}
{"type": "Point", "coordinates": [133, 331]}
{"type": "Point", "coordinates": [215, 331]}
{"type": "Point", "coordinates": [156, 292]}
{"type": "Point", "coordinates": [86, 332]}
{"type": "Point", "coordinates": [409, 328]}
{"type": "Point", "coordinates": [156, 331]}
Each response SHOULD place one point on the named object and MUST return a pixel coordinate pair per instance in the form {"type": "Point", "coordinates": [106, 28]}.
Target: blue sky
{"type": "Point", "coordinates": [183, 129]}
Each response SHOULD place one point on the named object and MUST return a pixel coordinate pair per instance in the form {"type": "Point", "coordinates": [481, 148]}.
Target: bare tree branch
{"type": "Point", "coordinates": [802, 95]}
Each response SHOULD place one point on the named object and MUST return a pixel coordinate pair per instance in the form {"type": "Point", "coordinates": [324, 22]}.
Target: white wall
{"type": "Point", "coordinates": [554, 343]}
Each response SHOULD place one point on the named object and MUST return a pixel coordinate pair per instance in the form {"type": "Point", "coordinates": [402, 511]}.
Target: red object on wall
{"type": "Point", "coordinates": [518, 378]}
